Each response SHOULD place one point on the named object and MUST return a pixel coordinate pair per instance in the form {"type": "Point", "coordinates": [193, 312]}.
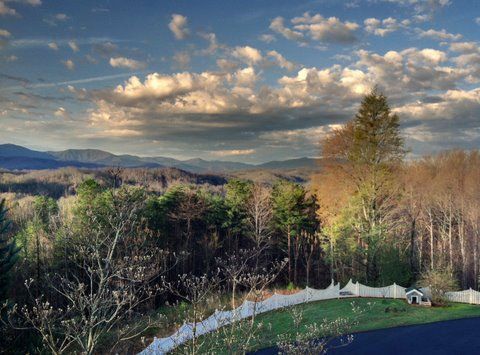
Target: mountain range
{"type": "Point", "coordinates": [15, 157]}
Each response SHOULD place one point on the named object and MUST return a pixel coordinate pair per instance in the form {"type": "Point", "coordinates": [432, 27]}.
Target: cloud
{"type": "Point", "coordinates": [61, 112]}
{"type": "Point", "coordinates": [464, 47]}
{"type": "Point", "coordinates": [29, 2]}
{"type": "Point", "coordinates": [253, 56]}
{"type": "Point", "coordinates": [69, 64]}
{"type": "Point", "coordinates": [178, 25]}
{"type": "Point", "coordinates": [232, 152]}
{"type": "Point", "coordinates": [227, 110]}
{"type": "Point", "coordinates": [7, 11]}
{"type": "Point", "coordinates": [277, 25]}
{"type": "Point", "coordinates": [53, 45]}
{"type": "Point", "coordinates": [317, 28]}
{"type": "Point", "coordinates": [213, 44]}
{"type": "Point", "coordinates": [42, 42]}
{"type": "Point", "coordinates": [227, 65]}
{"type": "Point", "coordinates": [91, 59]}
{"type": "Point", "coordinates": [246, 77]}
{"type": "Point", "coordinates": [450, 121]}
{"type": "Point", "coordinates": [247, 54]}
{"type": "Point", "coordinates": [184, 103]}
{"type": "Point", "coordinates": [105, 49]}
{"type": "Point", "coordinates": [410, 72]}
{"type": "Point", "coordinates": [181, 60]}
{"type": "Point", "coordinates": [122, 62]}
{"type": "Point", "coordinates": [11, 58]}
{"type": "Point", "coordinates": [330, 30]}
{"type": "Point", "coordinates": [4, 33]}
{"type": "Point", "coordinates": [383, 27]}
{"type": "Point", "coordinates": [430, 56]}
{"type": "Point", "coordinates": [438, 34]}
{"type": "Point", "coordinates": [420, 6]}
{"type": "Point", "coordinates": [280, 60]}
{"type": "Point", "coordinates": [68, 83]}
{"type": "Point", "coordinates": [477, 20]}
{"type": "Point", "coordinates": [100, 10]}
{"type": "Point", "coordinates": [267, 38]}
{"type": "Point", "coordinates": [53, 20]}
{"type": "Point", "coordinates": [308, 137]}
{"type": "Point", "coordinates": [73, 46]}
{"type": "Point", "coordinates": [61, 17]}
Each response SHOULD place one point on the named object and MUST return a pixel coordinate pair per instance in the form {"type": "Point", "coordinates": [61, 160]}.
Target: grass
{"type": "Point", "coordinates": [379, 314]}
{"type": "Point", "coordinates": [376, 316]}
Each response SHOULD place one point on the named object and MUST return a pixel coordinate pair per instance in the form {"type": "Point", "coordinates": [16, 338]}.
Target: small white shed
{"type": "Point", "coordinates": [417, 296]}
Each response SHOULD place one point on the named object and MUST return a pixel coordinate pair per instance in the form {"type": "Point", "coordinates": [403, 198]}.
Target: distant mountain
{"type": "Point", "coordinates": [291, 164]}
{"type": "Point", "coordinates": [16, 157]}
{"type": "Point", "coordinates": [217, 165]}
{"type": "Point", "coordinates": [103, 158]}
{"type": "Point", "coordinates": [25, 163]}
{"type": "Point", "coordinates": [12, 150]}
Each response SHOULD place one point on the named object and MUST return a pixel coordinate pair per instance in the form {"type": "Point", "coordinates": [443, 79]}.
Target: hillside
{"type": "Point", "coordinates": [103, 158]}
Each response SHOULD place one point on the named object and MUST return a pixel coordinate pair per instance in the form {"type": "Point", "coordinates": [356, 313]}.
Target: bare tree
{"type": "Point", "coordinates": [260, 214]}
{"type": "Point", "coordinates": [103, 293]}
{"type": "Point", "coordinates": [196, 291]}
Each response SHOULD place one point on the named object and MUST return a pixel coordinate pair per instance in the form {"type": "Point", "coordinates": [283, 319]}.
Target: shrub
{"type": "Point", "coordinates": [440, 281]}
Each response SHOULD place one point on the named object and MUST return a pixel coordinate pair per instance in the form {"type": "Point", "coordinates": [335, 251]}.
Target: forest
{"type": "Point", "coordinates": [85, 254]}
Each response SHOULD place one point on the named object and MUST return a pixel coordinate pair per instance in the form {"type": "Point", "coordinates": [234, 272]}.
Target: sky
{"type": "Point", "coordinates": [248, 81]}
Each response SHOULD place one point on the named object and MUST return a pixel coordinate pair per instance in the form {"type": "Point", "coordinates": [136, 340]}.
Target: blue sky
{"type": "Point", "coordinates": [234, 80]}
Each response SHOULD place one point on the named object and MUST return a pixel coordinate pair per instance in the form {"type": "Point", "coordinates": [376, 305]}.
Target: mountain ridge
{"type": "Point", "coordinates": [16, 157]}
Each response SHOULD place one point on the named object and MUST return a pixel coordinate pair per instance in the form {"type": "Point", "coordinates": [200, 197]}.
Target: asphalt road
{"type": "Point", "coordinates": [460, 336]}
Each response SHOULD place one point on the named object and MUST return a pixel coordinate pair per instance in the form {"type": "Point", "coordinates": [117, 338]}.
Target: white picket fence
{"type": "Point", "coordinates": [222, 318]}
{"type": "Point", "coordinates": [466, 296]}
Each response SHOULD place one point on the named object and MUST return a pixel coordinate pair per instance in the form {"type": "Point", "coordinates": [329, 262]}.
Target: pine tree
{"type": "Point", "coordinates": [377, 141]}
{"type": "Point", "coordinates": [8, 252]}
{"type": "Point", "coordinates": [364, 157]}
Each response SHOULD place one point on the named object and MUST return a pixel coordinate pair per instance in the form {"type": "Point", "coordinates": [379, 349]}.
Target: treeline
{"type": "Point", "coordinates": [199, 223]}
{"type": "Point", "coordinates": [388, 219]}
{"type": "Point", "coordinates": [64, 182]}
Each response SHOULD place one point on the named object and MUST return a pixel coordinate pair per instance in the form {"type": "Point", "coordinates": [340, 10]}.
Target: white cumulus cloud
{"type": "Point", "coordinates": [178, 25]}
{"type": "Point", "coordinates": [122, 62]}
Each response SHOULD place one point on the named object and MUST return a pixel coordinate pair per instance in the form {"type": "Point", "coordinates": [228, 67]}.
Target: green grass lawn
{"type": "Point", "coordinates": [374, 316]}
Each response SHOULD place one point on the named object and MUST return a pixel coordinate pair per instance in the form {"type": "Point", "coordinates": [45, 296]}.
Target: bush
{"type": "Point", "coordinates": [440, 281]}
{"type": "Point", "coordinates": [290, 286]}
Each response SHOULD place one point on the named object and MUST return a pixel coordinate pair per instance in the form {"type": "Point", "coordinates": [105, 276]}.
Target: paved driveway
{"type": "Point", "coordinates": [460, 336]}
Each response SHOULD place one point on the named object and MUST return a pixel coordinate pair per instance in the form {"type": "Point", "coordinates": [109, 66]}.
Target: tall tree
{"type": "Point", "coordinates": [365, 154]}
{"type": "Point", "coordinates": [290, 215]}
{"type": "Point", "coordinates": [237, 193]}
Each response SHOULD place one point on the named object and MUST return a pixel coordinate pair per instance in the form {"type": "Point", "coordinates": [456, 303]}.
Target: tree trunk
{"type": "Point", "coordinates": [289, 254]}
{"type": "Point", "coordinates": [412, 246]}
{"type": "Point", "coordinates": [431, 243]}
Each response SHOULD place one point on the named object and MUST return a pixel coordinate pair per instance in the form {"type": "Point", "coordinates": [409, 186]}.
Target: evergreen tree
{"type": "Point", "coordinates": [290, 215]}
{"type": "Point", "coordinates": [377, 150]}
{"type": "Point", "coordinates": [8, 252]}
{"type": "Point", "coordinates": [364, 157]}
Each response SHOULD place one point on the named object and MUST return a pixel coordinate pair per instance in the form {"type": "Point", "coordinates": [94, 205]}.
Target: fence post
{"type": "Point", "coordinates": [358, 289]}
{"type": "Point", "coordinates": [470, 292]}
{"type": "Point", "coordinates": [394, 290]}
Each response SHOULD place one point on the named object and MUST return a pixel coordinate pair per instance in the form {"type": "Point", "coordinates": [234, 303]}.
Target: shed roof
{"type": "Point", "coordinates": [413, 290]}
